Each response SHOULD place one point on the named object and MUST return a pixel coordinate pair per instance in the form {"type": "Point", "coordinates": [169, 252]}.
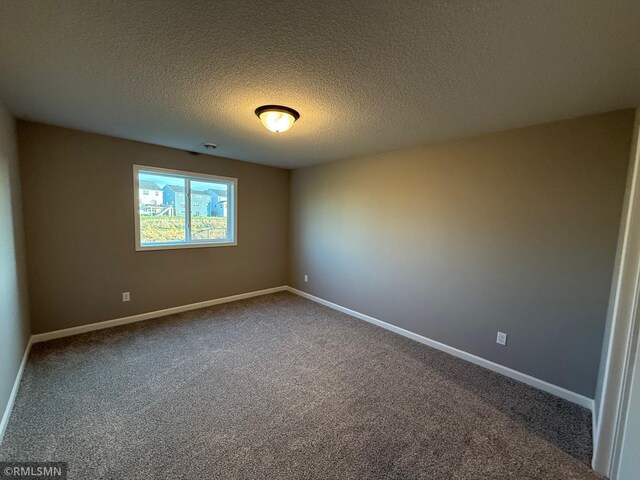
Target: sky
{"type": "Point", "coordinates": [162, 180]}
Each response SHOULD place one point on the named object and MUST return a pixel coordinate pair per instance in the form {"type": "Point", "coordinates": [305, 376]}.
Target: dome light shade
{"type": "Point", "coordinates": [277, 118]}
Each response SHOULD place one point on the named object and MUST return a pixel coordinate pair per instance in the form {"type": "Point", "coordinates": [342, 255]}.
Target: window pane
{"type": "Point", "coordinates": [161, 202]}
{"type": "Point", "coordinates": [177, 209]}
{"type": "Point", "coordinates": [209, 210]}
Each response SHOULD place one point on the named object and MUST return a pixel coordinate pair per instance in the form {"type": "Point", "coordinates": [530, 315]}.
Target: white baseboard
{"type": "Point", "coordinates": [506, 371]}
{"type": "Point", "coordinates": [522, 377]}
{"type": "Point", "coordinates": [67, 332]}
{"type": "Point", "coordinates": [14, 391]}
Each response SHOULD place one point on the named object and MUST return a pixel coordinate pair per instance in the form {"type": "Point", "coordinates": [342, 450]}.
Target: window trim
{"type": "Point", "coordinates": [232, 210]}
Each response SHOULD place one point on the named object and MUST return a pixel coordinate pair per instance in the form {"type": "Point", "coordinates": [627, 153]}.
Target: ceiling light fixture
{"type": "Point", "coordinates": [276, 117]}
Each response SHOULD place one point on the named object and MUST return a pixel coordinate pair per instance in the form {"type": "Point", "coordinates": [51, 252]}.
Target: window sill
{"type": "Point", "coordinates": [178, 246]}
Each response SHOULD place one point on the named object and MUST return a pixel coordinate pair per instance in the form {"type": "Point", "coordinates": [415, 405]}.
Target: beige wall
{"type": "Point", "coordinates": [14, 319]}
{"type": "Point", "coordinates": [514, 231]}
{"type": "Point", "coordinates": [79, 224]}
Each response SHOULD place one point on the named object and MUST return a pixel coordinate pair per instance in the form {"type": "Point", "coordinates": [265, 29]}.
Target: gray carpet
{"type": "Point", "coordinates": [279, 387]}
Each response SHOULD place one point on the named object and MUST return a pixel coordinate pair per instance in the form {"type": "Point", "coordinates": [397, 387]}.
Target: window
{"type": "Point", "coordinates": [192, 209]}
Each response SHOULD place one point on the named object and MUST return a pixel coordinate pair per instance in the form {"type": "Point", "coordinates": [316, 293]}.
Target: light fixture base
{"type": "Point", "coordinates": [277, 108]}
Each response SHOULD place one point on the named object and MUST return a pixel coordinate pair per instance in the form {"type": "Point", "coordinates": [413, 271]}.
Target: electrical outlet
{"type": "Point", "coordinates": [502, 338]}
{"type": "Point", "coordinates": [126, 296]}
{"type": "Point", "coordinates": [306, 278]}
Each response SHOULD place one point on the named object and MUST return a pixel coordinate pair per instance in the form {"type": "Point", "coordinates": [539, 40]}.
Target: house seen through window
{"type": "Point", "coordinates": [176, 209]}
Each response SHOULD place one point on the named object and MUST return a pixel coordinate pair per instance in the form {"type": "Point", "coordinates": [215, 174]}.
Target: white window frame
{"type": "Point", "coordinates": [232, 210]}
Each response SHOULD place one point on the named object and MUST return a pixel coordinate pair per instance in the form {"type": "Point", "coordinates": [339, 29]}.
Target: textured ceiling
{"type": "Point", "coordinates": [366, 76]}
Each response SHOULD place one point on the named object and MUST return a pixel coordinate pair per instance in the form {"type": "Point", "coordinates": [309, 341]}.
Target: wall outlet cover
{"type": "Point", "coordinates": [126, 296]}
{"type": "Point", "coordinates": [502, 338]}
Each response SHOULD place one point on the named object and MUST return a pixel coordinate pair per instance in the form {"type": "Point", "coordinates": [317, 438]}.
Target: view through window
{"type": "Point", "coordinates": [181, 209]}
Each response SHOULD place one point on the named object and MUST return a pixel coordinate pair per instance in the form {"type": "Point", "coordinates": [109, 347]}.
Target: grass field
{"type": "Point", "coordinates": [168, 229]}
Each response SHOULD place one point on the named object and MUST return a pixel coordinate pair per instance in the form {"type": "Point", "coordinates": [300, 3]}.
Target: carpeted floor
{"type": "Point", "coordinates": [279, 387]}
